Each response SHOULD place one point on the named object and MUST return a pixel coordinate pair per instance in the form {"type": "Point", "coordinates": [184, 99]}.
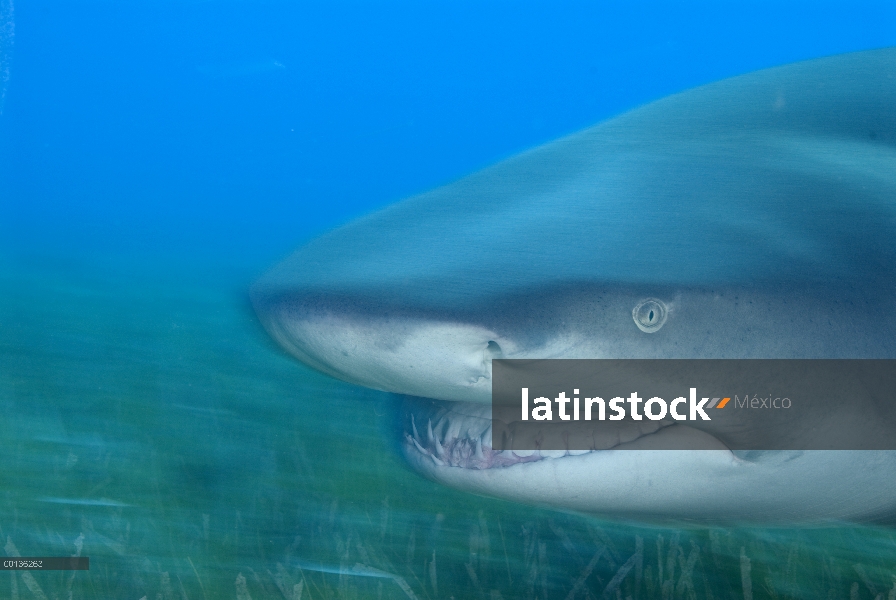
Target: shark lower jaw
{"type": "Point", "coordinates": [450, 434]}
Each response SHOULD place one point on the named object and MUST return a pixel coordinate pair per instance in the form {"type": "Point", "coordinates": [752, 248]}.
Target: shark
{"type": "Point", "coordinates": [753, 217]}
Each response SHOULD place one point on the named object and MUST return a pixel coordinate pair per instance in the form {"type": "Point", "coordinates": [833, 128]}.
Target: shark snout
{"type": "Point", "coordinates": [441, 359]}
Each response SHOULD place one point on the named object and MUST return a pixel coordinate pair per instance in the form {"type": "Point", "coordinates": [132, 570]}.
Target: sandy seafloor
{"type": "Point", "coordinates": [156, 158]}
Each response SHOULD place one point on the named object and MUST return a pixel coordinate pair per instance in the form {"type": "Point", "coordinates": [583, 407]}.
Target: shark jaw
{"type": "Point", "coordinates": [459, 434]}
{"type": "Point", "coordinates": [623, 477]}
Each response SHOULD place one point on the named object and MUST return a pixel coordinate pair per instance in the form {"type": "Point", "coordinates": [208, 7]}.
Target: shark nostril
{"type": "Point", "coordinates": [649, 314]}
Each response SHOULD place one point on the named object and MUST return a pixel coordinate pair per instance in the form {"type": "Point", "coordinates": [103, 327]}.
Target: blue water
{"type": "Point", "coordinates": [156, 157]}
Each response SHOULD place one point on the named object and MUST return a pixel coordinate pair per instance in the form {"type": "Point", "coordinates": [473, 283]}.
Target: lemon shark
{"type": "Point", "coordinates": [754, 217]}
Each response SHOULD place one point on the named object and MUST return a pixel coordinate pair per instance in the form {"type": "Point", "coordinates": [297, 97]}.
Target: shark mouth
{"type": "Point", "coordinates": [459, 434]}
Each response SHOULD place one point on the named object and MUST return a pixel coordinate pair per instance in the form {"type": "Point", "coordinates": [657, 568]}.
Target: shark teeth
{"type": "Point", "coordinates": [439, 449]}
{"type": "Point", "coordinates": [475, 453]}
{"type": "Point", "coordinates": [414, 428]}
{"type": "Point", "coordinates": [419, 447]}
{"type": "Point", "coordinates": [459, 434]}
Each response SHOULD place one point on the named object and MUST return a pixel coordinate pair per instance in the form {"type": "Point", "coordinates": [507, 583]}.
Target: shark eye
{"type": "Point", "coordinates": [649, 315]}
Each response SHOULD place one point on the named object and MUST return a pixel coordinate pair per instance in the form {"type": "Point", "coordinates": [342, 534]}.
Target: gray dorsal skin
{"type": "Point", "coordinates": [760, 209]}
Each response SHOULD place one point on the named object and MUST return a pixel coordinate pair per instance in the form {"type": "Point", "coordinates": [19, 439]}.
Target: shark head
{"type": "Point", "coordinates": [749, 218]}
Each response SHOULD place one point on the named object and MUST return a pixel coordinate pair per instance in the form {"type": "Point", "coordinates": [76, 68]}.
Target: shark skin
{"type": "Point", "coordinates": [757, 212]}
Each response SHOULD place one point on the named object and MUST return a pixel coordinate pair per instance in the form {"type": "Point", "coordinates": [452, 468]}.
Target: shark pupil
{"type": "Point", "coordinates": [649, 315]}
